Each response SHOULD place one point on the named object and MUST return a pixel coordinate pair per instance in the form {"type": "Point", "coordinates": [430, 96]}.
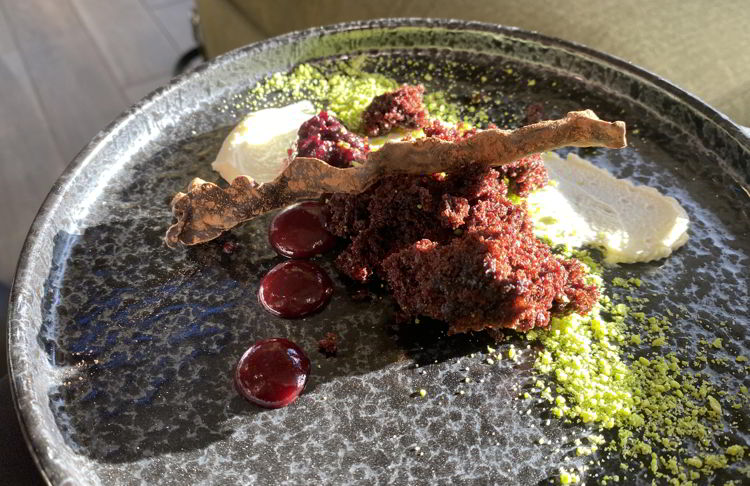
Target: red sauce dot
{"type": "Point", "coordinates": [299, 231]}
{"type": "Point", "coordinates": [295, 288]}
{"type": "Point", "coordinates": [272, 373]}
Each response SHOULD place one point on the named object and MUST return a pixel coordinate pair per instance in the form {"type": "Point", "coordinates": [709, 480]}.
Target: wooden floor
{"type": "Point", "coordinates": [67, 68]}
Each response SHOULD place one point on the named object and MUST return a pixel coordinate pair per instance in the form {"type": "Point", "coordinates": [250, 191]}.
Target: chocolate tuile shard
{"type": "Point", "coordinates": [206, 210]}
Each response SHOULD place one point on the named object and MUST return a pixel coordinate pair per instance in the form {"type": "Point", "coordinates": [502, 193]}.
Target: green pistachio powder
{"type": "Point", "coordinates": [659, 414]}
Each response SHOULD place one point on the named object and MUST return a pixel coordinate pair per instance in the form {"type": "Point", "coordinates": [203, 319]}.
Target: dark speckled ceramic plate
{"type": "Point", "coordinates": [121, 349]}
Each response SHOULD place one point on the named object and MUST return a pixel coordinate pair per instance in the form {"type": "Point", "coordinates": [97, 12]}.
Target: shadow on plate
{"type": "Point", "coordinates": [146, 338]}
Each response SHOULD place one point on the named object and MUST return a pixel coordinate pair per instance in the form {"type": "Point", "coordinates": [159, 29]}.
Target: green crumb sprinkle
{"type": "Point", "coordinates": [585, 451]}
{"type": "Point", "coordinates": [568, 477]}
{"type": "Point", "coordinates": [658, 342]}
{"type": "Point", "coordinates": [716, 343]}
{"type": "Point", "coordinates": [512, 352]}
{"type": "Point", "coordinates": [422, 393]}
{"type": "Point", "coordinates": [548, 220]}
{"type": "Point", "coordinates": [736, 451]}
{"type": "Point", "coordinates": [714, 404]}
{"type": "Point", "coordinates": [596, 439]}
{"type": "Point", "coordinates": [626, 283]}
{"type": "Point", "coordinates": [620, 282]}
{"type": "Point", "coordinates": [740, 359]}
{"type": "Point", "coordinates": [439, 106]}
{"type": "Point", "coordinates": [714, 461]}
{"type": "Point", "coordinates": [532, 82]}
{"type": "Point", "coordinates": [346, 89]}
{"type": "Point", "coordinates": [581, 353]}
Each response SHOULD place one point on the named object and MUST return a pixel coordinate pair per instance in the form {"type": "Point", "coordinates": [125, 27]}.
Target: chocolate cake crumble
{"type": "Point", "coordinates": [400, 108]}
{"type": "Point", "coordinates": [455, 248]}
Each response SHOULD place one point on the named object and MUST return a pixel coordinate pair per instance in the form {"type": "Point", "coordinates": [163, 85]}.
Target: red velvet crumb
{"type": "Point", "coordinates": [524, 175]}
{"type": "Point", "coordinates": [400, 108]}
{"type": "Point", "coordinates": [325, 138]}
{"type": "Point", "coordinates": [229, 247]}
{"type": "Point", "coordinates": [329, 345]}
{"type": "Point", "coordinates": [455, 248]}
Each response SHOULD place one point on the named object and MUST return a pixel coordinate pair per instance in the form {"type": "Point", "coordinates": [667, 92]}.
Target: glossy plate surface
{"type": "Point", "coordinates": [122, 350]}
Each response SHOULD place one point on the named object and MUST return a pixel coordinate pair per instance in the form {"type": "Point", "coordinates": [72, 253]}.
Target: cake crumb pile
{"type": "Point", "coordinates": [456, 249]}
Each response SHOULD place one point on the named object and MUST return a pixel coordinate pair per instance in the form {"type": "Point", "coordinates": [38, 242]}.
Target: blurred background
{"type": "Point", "coordinates": [69, 67]}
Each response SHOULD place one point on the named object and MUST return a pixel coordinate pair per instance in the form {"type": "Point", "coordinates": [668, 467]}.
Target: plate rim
{"type": "Point", "coordinates": [740, 134]}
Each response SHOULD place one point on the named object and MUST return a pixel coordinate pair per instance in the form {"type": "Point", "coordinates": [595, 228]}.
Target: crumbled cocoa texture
{"type": "Point", "coordinates": [455, 248]}
{"type": "Point", "coordinates": [525, 174]}
{"type": "Point", "coordinates": [476, 282]}
{"type": "Point", "coordinates": [437, 129]}
{"type": "Point", "coordinates": [390, 215]}
{"type": "Point", "coordinates": [325, 138]}
{"type": "Point", "coordinates": [329, 345]}
{"type": "Point", "coordinates": [400, 108]}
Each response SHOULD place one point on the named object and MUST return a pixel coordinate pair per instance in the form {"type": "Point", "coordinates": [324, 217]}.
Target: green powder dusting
{"type": "Point", "coordinates": [568, 477]}
{"type": "Point", "coordinates": [736, 451]}
{"type": "Point", "coordinates": [657, 405]}
{"type": "Point", "coordinates": [346, 88]}
{"type": "Point", "coordinates": [626, 283]}
{"type": "Point", "coordinates": [582, 354]}
{"type": "Point", "coordinates": [438, 106]}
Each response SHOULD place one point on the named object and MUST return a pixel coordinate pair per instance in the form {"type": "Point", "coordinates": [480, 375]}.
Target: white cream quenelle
{"type": "Point", "coordinates": [586, 205]}
{"type": "Point", "coordinates": [258, 145]}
